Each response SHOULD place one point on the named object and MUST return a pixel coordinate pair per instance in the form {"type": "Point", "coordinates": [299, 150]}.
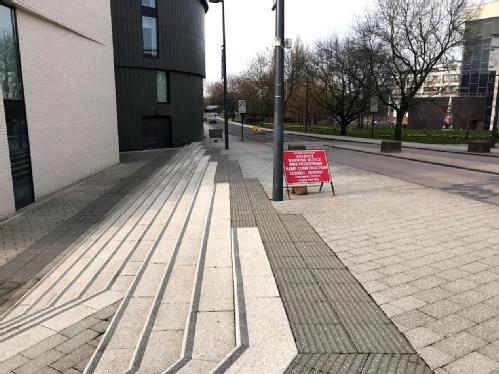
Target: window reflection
{"type": "Point", "coordinates": [149, 3]}
{"type": "Point", "coordinates": [150, 35]}
{"type": "Point", "coordinates": [9, 64]}
{"type": "Point", "coordinates": [162, 86]}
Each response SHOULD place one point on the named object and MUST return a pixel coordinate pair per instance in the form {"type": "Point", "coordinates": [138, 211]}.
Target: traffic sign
{"type": "Point", "coordinates": [494, 55]}
{"type": "Point", "coordinates": [306, 167]}
{"type": "Point", "coordinates": [242, 106]}
{"type": "Point", "coordinates": [374, 105]}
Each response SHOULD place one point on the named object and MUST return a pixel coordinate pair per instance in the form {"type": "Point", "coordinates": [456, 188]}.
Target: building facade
{"type": "Point", "coordinates": [476, 79]}
{"type": "Point", "coordinates": [442, 81]}
{"type": "Point", "coordinates": [159, 50]}
{"type": "Point", "coordinates": [58, 113]}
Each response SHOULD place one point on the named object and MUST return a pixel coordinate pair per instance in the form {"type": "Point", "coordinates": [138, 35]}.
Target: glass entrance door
{"type": "Point", "coordinates": [20, 160]}
{"type": "Point", "coordinates": [15, 111]}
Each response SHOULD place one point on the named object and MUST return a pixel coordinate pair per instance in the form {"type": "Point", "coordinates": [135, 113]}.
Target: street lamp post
{"type": "Point", "coordinates": [277, 185]}
{"type": "Point", "coordinates": [224, 75]}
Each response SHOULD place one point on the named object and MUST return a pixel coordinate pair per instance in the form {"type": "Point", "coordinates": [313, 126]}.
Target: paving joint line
{"type": "Point", "coordinates": [51, 305]}
{"type": "Point", "coordinates": [76, 247]}
{"type": "Point", "coordinates": [242, 334]}
{"type": "Point", "coordinates": [136, 224]}
{"type": "Point", "coordinates": [254, 191]}
{"type": "Point", "coordinates": [92, 365]}
{"type": "Point", "coordinates": [151, 319]}
{"type": "Point", "coordinates": [190, 330]}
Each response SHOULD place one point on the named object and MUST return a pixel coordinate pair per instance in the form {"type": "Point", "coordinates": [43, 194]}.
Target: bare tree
{"type": "Point", "coordinates": [214, 94]}
{"type": "Point", "coordinates": [404, 41]}
{"type": "Point", "coordinates": [341, 79]}
{"type": "Point", "coordinates": [295, 71]}
{"type": "Point", "coordinates": [260, 73]}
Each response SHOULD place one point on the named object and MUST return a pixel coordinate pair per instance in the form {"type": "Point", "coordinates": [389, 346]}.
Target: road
{"type": "Point", "coordinates": [471, 184]}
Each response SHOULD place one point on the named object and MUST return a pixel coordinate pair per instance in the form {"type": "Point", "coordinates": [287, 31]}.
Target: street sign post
{"type": "Point", "coordinates": [242, 112]}
{"type": "Point", "coordinates": [373, 107]}
{"type": "Point", "coordinates": [305, 168]}
{"type": "Point", "coordinates": [494, 66]}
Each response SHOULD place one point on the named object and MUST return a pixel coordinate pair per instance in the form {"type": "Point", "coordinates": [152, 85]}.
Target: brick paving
{"type": "Point", "coordinates": [428, 258]}
{"type": "Point", "coordinates": [337, 326]}
{"type": "Point", "coordinates": [66, 352]}
{"type": "Point", "coordinates": [44, 232]}
{"type": "Point", "coordinates": [154, 286]}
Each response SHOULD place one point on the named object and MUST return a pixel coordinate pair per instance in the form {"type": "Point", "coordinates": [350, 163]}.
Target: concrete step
{"type": "Point", "coordinates": [58, 272]}
{"type": "Point", "coordinates": [100, 236]}
{"type": "Point", "coordinates": [211, 332]}
{"type": "Point", "coordinates": [116, 351]}
{"type": "Point", "coordinates": [265, 340]}
{"type": "Point", "coordinates": [51, 325]}
{"type": "Point", "coordinates": [167, 318]}
{"type": "Point", "coordinates": [108, 265]}
{"type": "Point", "coordinates": [185, 309]}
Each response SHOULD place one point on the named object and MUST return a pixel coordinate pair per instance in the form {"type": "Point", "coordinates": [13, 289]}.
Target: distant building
{"type": "Point", "coordinates": [58, 113]}
{"type": "Point", "coordinates": [476, 79]}
{"type": "Point", "coordinates": [442, 81]}
{"type": "Point", "coordinates": [159, 56]}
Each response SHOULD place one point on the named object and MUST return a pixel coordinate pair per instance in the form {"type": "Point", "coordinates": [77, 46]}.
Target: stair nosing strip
{"type": "Point", "coordinates": [140, 350]}
{"type": "Point", "coordinates": [242, 333]}
{"type": "Point", "coordinates": [99, 352]}
{"type": "Point", "coordinates": [50, 316]}
{"type": "Point", "coordinates": [189, 331]}
{"type": "Point", "coordinates": [122, 241]}
{"type": "Point", "coordinates": [34, 316]}
{"type": "Point", "coordinates": [182, 155]}
{"type": "Point", "coordinates": [14, 323]}
{"type": "Point", "coordinates": [132, 251]}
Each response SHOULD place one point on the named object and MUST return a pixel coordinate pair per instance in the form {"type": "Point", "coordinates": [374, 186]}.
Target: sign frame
{"type": "Point", "coordinates": [242, 106]}
{"type": "Point", "coordinates": [494, 54]}
{"type": "Point", "coordinates": [312, 184]}
{"type": "Point", "coordinates": [374, 105]}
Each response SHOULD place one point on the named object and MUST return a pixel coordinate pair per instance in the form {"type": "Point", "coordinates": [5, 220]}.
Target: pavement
{"type": "Point", "coordinates": [180, 262]}
{"type": "Point", "coordinates": [159, 282]}
{"type": "Point", "coordinates": [428, 258]}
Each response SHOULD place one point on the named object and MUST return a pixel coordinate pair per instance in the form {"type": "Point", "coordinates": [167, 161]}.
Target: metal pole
{"type": "Point", "coordinates": [242, 127]}
{"type": "Point", "coordinates": [224, 58]}
{"type": "Point", "coordinates": [372, 127]}
{"type": "Point", "coordinates": [277, 186]}
{"type": "Point", "coordinates": [306, 106]}
{"type": "Point", "coordinates": [493, 135]}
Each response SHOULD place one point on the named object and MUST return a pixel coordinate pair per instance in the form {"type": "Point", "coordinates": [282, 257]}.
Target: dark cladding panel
{"type": "Point", "coordinates": [137, 97]}
{"type": "Point", "coordinates": [181, 53]}
{"type": "Point", "coordinates": [180, 35]}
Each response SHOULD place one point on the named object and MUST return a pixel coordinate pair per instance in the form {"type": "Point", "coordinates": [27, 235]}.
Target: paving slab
{"type": "Point", "coordinates": [61, 218]}
{"type": "Point", "coordinates": [318, 327]}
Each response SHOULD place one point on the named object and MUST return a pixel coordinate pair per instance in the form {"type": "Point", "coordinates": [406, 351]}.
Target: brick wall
{"type": "Point", "coordinates": [68, 74]}
{"type": "Point", "coordinates": [6, 194]}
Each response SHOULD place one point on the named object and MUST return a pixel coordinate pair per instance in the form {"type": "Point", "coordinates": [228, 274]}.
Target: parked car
{"type": "Point", "coordinates": [213, 121]}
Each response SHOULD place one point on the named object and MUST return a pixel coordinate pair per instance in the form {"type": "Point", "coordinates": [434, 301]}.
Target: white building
{"type": "Point", "coordinates": [58, 113]}
{"type": "Point", "coordinates": [442, 81]}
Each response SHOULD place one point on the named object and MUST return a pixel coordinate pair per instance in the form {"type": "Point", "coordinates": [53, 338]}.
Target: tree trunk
{"type": "Point", "coordinates": [398, 125]}
{"type": "Point", "coordinates": [343, 128]}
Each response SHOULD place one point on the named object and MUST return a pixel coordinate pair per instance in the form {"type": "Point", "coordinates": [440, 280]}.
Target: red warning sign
{"type": "Point", "coordinates": [302, 168]}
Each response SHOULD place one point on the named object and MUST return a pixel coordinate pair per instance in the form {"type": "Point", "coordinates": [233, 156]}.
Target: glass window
{"type": "Point", "coordinates": [150, 35]}
{"type": "Point", "coordinates": [149, 3]}
{"type": "Point", "coordinates": [162, 86]}
{"type": "Point", "coordinates": [10, 75]}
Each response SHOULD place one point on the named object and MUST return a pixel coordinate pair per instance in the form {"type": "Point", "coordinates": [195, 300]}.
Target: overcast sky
{"type": "Point", "coordinates": [250, 27]}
